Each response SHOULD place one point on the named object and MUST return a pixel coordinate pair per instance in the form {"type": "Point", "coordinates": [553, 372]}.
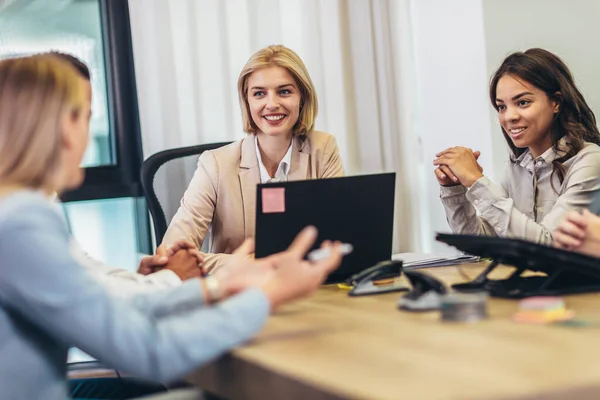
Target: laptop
{"type": "Point", "coordinates": [358, 210]}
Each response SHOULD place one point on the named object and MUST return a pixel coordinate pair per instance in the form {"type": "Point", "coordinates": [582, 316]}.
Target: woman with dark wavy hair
{"type": "Point", "coordinates": [554, 162]}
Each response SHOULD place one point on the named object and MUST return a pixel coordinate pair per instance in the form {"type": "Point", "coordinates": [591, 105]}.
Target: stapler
{"type": "Point", "coordinates": [363, 281]}
{"type": "Point", "coordinates": [425, 295]}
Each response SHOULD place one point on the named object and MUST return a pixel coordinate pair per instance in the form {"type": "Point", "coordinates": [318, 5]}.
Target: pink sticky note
{"type": "Point", "coordinates": [273, 200]}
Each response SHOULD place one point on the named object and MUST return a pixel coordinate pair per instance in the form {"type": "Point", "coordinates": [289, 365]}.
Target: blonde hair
{"type": "Point", "coordinates": [36, 93]}
{"type": "Point", "coordinates": [280, 56]}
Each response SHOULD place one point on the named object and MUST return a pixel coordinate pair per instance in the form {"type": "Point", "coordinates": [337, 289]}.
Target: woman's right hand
{"type": "Point", "coordinates": [294, 277]}
{"type": "Point", "coordinates": [579, 232]}
{"type": "Point", "coordinates": [446, 177]}
{"type": "Point", "coordinates": [284, 276]}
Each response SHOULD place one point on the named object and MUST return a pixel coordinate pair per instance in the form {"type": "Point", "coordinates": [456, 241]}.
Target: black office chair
{"type": "Point", "coordinates": [91, 380]}
{"type": "Point", "coordinates": [165, 177]}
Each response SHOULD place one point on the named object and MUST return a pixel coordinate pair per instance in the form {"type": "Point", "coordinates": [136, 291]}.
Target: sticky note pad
{"type": "Point", "coordinates": [273, 200]}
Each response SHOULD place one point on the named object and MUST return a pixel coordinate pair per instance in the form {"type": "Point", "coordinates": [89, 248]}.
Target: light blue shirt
{"type": "Point", "coordinates": [48, 303]}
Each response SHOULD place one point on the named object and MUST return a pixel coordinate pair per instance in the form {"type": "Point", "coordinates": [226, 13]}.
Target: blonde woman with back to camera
{"type": "Point", "coordinates": [49, 302]}
{"type": "Point", "coordinates": [279, 107]}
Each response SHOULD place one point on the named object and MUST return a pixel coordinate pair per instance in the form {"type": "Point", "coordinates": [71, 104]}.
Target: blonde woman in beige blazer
{"type": "Point", "coordinates": [279, 106]}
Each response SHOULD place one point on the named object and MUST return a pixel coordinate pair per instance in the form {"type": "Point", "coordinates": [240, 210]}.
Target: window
{"type": "Point", "coordinates": [106, 229]}
{"type": "Point", "coordinates": [107, 213]}
{"type": "Point", "coordinates": [74, 28]}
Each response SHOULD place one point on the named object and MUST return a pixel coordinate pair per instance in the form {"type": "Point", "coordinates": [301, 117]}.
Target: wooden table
{"type": "Point", "coordinates": [331, 346]}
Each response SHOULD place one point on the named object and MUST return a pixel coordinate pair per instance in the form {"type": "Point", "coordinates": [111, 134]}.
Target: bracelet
{"type": "Point", "coordinates": [213, 289]}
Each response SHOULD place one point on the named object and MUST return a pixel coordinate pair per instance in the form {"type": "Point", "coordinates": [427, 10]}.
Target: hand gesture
{"type": "Point", "coordinates": [457, 166]}
{"type": "Point", "coordinates": [294, 277]}
{"type": "Point", "coordinates": [241, 271]}
{"type": "Point", "coordinates": [283, 276]}
{"type": "Point", "coordinates": [579, 232]}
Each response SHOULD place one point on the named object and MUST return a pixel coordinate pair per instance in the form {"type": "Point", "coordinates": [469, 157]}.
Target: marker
{"type": "Point", "coordinates": [323, 253]}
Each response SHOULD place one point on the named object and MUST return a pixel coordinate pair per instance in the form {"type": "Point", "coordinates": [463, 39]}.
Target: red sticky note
{"type": "Point", "coordinates": [273, 200]}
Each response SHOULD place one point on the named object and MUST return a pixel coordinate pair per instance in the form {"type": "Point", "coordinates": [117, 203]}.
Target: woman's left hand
{"type": "Point", "coordinates": [462, 162]}
{"type": "Point", "coordinates": [151, 264]}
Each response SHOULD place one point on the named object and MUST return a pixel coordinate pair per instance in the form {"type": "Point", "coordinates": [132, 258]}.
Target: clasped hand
{"type": "Point", "coordinates": [457, 166]}
{"type": "Point", "coordinates": [182, 257]}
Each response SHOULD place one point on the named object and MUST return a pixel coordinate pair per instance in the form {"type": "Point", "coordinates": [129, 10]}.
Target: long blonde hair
{"type": "Point", "coordinates": [280, 56]}
{"type": "Point", "coordinates": [36, 94]}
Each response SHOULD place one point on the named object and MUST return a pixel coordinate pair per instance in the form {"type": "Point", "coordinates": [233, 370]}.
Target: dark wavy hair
{"type": "Point", "coordinates": [574, 121]}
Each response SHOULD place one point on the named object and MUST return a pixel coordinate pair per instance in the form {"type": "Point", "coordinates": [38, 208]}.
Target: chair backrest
{"type": "Point", "coordinates": [165, 177]}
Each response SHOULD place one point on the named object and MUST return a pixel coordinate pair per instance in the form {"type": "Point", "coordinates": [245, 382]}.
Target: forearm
{"type": "Point", "coordinates": [125, 284]}
{"type": "Point", "coordinates": [176, 344]}
{"type": "Point", "coordinates": [120, 282]}
{"type": "Point", "coordinates": [189, 295]}
{"type": "Point", "coordinates": [164, 347]}
{"type": "Point", "coordinates": [160, 336]}
{"type": "Point", "coordinates": [461, 215]}
{"type": "Point", "coordinates": [498, 210]}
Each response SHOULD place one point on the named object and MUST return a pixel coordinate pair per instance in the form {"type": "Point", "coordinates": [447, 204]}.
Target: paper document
{"type": "Point", "coordinates": [417, 260]}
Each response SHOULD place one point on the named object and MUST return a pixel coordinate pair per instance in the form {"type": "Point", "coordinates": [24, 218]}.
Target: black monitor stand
{"type": "Point", "coordinates": [556, 272]}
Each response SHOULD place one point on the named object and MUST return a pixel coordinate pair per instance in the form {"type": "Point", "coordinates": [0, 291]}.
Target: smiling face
{"type": "Point", "coordinates": [525, 113]}
{"type": "Point", "coordinates": [274, 101]}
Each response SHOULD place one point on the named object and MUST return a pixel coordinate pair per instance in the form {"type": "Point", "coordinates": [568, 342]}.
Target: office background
{"type": "Point", "coordinates": [397, 80]}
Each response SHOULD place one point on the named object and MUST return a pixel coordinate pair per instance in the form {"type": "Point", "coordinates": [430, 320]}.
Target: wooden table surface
{"type": "Point", "coordinates": [331, 346]}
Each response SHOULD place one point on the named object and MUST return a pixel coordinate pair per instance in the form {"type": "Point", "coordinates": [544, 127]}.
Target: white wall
{"type": "Point", "coordinates": [457, 46]}
{"type": "Point", "coordinates": [451, 98]}
{"type": "Point", "coordinates": [569, 29]}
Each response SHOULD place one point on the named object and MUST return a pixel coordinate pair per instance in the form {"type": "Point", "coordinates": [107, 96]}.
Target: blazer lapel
{"type": "Point", "coordinates": [249, 178]}
{"type": "Point", "coordinates": [300, 156]}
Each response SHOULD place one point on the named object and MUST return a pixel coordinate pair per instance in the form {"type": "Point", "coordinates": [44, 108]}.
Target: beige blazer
{"type": "Point", "coordinates": [221, 199]}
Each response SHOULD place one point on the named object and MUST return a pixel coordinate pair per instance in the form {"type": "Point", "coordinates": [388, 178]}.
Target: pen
{"type": "Point", "coordinates": [321, 254]}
